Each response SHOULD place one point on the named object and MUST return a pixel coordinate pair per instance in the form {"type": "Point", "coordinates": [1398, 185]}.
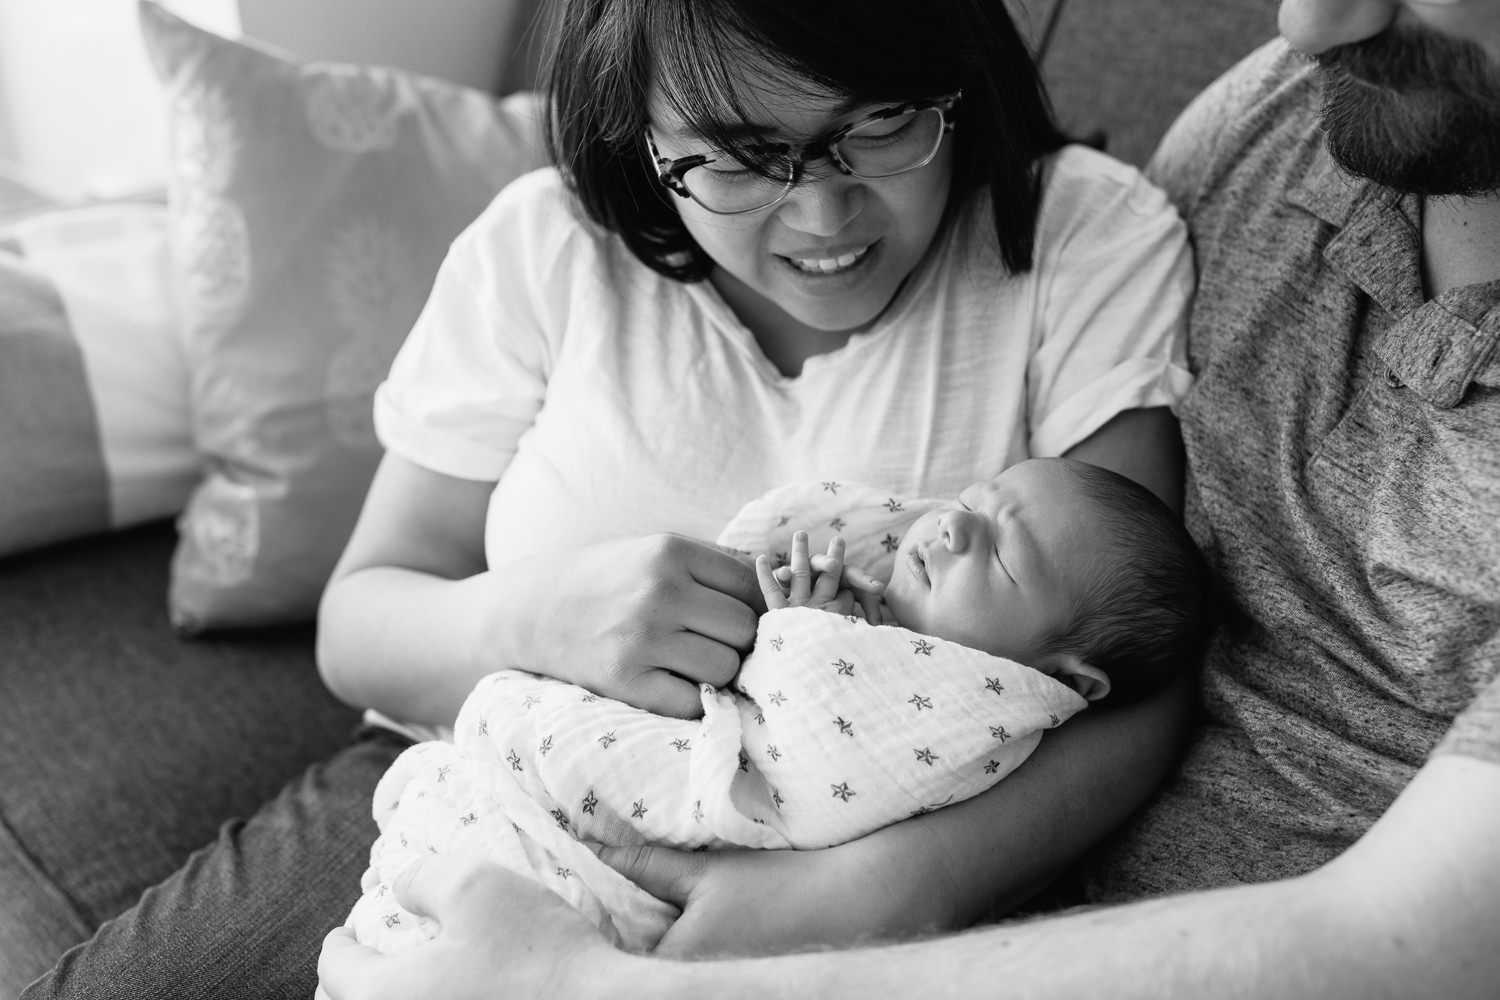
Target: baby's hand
{"type": "Point", "coordinates": [821, 589]}
{"type": "Point", "coordinates": [867, 591]}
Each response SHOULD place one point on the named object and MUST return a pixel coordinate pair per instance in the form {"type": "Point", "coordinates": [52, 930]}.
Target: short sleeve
{"type": "Point", "coordinates": [1116, 282]}
{"type": "Point", "coordinates": [472, 374]}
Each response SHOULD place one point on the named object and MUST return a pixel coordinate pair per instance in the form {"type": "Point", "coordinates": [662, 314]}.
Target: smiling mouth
{"type": "Point", "coordinates": [828, 265]}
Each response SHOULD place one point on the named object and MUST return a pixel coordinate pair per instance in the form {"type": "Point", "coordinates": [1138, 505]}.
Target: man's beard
{"type": "Point", "coordinates": [1415, 111]}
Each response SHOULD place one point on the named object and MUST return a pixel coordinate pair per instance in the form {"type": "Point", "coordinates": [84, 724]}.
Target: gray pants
{"type": "Point", "coordinates": [124, 750]}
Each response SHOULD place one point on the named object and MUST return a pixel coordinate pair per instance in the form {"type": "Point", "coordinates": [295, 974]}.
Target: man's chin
{"type": "Point", "coordinates": [1425, 143]}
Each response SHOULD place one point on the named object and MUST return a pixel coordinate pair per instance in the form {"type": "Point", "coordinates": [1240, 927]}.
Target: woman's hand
{"type": "Point", "coordinates": [501, 935]}
{"type": "Point", "coordinates": [414, 616]}
{"type": "Point", "coordinates": [766, 902]}
{"type": "Point", "coordinates": [641, 620]}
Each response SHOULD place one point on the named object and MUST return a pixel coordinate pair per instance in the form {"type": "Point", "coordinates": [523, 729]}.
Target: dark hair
{"type": "Point", "coordinates": [605, 56]}
{"type": "Point", "coordinates": [1147, 612]}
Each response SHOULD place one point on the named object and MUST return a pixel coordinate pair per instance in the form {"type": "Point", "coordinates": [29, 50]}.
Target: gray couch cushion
{"type": "Point", "coordinates": [1126, 68]}
{"type": "Point", "coordinates": [89, 619]}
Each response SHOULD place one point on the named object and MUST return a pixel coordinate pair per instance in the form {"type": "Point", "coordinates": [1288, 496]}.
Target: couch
{"type": "Point", "coordinates": [92, 608]}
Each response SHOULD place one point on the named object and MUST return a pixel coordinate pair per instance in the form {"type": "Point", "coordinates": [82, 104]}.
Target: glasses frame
{"type": "Point", "coordinates": [669, 171]}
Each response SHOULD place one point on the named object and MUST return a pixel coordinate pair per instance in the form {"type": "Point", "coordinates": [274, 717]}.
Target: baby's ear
{"type": "Point", "coordinates": [1085, 678]}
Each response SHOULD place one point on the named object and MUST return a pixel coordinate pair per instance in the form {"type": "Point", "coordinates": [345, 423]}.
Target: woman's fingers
{"type": "Point", "coordinates": [719, 570]}
{"type": "Point", "coordinates": [680, 663]}
{"type": "Point", "coordinates": [720, 599]}
{"type": "Point", "coordinates": [664, 873]}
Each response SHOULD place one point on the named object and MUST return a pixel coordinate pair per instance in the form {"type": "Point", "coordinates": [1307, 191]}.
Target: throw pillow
{"type": "Point", "coordinates": [311, 206]}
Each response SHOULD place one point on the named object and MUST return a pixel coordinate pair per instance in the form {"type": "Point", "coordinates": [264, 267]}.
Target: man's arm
{"type": "Point", "coordinates": [1409, 910]}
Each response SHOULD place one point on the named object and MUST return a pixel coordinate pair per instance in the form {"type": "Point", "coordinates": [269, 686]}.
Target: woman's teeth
{"type": "Point", "coordinates": [829, 265]}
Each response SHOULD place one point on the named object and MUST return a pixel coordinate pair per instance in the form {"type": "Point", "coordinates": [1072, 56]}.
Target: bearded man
{"type": "Point", "coordinates": [1334, 829]}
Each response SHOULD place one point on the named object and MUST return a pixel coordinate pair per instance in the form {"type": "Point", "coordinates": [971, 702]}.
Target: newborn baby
{"type": "Point", "coordinates": [1004, 613]}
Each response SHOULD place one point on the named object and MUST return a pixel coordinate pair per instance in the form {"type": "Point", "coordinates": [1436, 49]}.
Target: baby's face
{"type": "Point", "coordinates": [1005, 566]}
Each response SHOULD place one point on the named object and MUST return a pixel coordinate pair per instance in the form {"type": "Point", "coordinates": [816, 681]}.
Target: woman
{"type": "Point", "coordinates": [785, 240]}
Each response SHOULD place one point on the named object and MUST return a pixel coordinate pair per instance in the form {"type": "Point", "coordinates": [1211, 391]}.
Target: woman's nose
{"type": "Point", "coordinates": [823, 202]}
{"type": "Point", "coordinates": [1313, 26]}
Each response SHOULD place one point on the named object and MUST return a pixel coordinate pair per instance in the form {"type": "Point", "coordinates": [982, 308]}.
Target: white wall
{"type": "Point", "coordinates": [80, 108]}
{"type": "Point", "coordinates": [81, 111]}
{"type": "Point", "coordinates": [459, 40]}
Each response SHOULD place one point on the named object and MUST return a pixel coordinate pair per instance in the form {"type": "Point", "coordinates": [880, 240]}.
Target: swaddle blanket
{"type": "Point", "coordinates": [833, 728]}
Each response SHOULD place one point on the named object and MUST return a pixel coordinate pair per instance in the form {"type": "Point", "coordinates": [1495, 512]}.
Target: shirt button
{"type": "Point", "coordinates": [1392, 379]}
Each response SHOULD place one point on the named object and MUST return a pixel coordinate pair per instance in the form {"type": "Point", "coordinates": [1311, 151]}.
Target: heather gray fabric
{"type": "Point", "coordinates": [1344, 456]}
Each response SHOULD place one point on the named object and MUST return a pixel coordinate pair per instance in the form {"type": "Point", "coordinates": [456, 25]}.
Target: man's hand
{"type": "Point", "coordinates": [501, 935]}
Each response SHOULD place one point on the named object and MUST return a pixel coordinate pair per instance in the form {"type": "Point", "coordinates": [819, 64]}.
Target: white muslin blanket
{"type": "Point", "coordinates": [832, 729]}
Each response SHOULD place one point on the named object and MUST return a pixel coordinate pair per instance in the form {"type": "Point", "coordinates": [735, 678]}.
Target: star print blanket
{"type": "Point", "coordinates": [832, 729]}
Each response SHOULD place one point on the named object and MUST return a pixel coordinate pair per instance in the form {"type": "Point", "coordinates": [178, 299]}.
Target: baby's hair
{"type": "Point", "coordinates": [1147, 611]}
{"type": "Point", "coordinates": [605, 56]}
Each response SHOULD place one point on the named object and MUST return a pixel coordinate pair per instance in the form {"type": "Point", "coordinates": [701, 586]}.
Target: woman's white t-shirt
{"type": "Point", "coordinates": [608, 400]}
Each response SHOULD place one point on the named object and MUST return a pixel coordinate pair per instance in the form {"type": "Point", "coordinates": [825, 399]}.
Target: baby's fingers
{"type": "Point", "coordinates": [768, 584]}
{"type": "Point", "coordinates": [801, 565]}
{"type": "Point", "coordinates": [861, 582]}
{"type": "Point", "coordinates": [842, 604]}
{"type": "Point", "coordinates": [854, 579]}
{"type": "Point", "coordinates": [871, 606]}
{"type": "Point", "coordinates": [830, 579]}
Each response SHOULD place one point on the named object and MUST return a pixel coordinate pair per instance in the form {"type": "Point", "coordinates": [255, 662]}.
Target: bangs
{"type": "Point", "coordinates": [694, 51]}
{"type": "Point", "coordinates": [696, 46]}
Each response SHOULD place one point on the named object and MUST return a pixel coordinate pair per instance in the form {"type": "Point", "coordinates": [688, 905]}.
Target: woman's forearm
{"type": "Point", "coordinates": [991, 853]}
{"type": "Point", "coordinates": [407, 643]}
{"type": "Point", "coordinates": [1143, 445]}
{"type": "Point", "coordinates": [397, 623]}
{"type": "Point", "coordinates": [412, 618]}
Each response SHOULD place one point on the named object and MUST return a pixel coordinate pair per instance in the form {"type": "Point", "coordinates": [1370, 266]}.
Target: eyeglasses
{"type": "Point", "coordinates": [886, 143]}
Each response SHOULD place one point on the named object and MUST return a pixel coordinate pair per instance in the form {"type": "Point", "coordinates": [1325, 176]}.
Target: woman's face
{"type": "Point", "coordinates": [834, 252]}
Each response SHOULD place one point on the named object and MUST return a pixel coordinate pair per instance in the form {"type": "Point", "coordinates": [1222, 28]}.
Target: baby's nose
{"type": "Point", "coordinates": [957, 529]}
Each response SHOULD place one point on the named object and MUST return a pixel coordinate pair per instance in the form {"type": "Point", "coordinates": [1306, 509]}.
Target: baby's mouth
{"type": "Point", "coordinates": [918, 566]}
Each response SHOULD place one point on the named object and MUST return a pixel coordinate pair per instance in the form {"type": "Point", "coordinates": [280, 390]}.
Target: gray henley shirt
{"type": "Point", "coordinates": [1343, 446]}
